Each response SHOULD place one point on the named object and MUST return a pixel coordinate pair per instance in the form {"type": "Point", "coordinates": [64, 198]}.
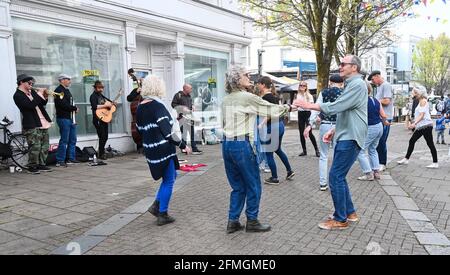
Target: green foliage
{"type": "Point", "coordinates": [431, 61]}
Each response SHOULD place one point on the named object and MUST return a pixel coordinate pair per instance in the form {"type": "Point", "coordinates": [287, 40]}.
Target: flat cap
{"type": "Point", "coordinates": [63, 76]}
{"type": "Point", "coordinates": [374, 73]}
{"type": "Point", "coordinates": [336, 78]}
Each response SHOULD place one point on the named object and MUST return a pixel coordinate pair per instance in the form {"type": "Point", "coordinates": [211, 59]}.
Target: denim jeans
{"type": "Point", "coordinates": [166, 188]}
{"type": "Point", "coordinates": [279, 151]}
{"type": "Point", "coordinates": [324, 148]}
{"type": "Point", "coordinates": [441, 134]}
{"type": "Point", "coordinates": [371, 163]}
{"type": "Point", "coordinates": [244, 178]}
{"type": "Point", "coordinates": [345, 154]}
{"type": "Point", "coordinates": [382, 145]}
{"type": "Point", "coordinates": [260, 134]}
{"type": "Point", "coordinates": [68, 140]}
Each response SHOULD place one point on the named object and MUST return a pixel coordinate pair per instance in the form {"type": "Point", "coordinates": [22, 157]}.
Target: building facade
{"type": "Point", "coordinates": [182, 41]}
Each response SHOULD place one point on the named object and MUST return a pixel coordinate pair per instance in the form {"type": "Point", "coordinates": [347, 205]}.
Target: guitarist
{"type": "Point", "coordinates": [99, 101]}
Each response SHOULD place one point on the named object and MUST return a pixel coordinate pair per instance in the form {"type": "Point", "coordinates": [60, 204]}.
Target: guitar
{"type": "Point", "coordinates": [106, 115]}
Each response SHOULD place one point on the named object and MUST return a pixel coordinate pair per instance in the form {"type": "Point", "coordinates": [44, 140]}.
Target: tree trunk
{"type": "Point", "coordinates": [323, 73]}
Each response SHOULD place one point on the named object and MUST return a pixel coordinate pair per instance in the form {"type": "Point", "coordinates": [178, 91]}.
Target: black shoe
{"type": "Point", "coordinates": [290, 175]}
{"type": "Point", "coordinates": [303, 154]}
{"type": "Point", "coordinates": [43, 168]}
{"type": "Point", "coordinates": [318, 154]}
{"type": "Point", "coordinates": [234, 227]}
{"type": "Point", "coordinates": [256, 226]}
{"type": "Point", "coordinates": [437, 142]}
{"type": "Point", "coordinates": [196, 152]}
{"type": "Point", "coordinates": [164, 218]}
{"type": "Point", "coordinates": [154, 209]}
{"type": "Point", "coordinates": [272, 181]}
{"type": "Point", "coordinates": [102, 157]}
{"type": "Point", "coordinates": [33, 170]}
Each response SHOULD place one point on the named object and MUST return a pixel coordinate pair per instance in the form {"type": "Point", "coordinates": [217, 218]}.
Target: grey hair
{"type": "Point", "coordinates": [232, 79]}
{"type": "Point", "coordinates": [153, 86]}
{"type": "Point", "coordinates": [421, 93]}
{"type": "Point", "coordinates": [357, 61]}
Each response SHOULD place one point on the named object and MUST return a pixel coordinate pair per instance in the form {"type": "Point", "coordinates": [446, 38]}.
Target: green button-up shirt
{"type": "Point", "coordinates": [240, 109]}
{"type": "Point", "coordinates": [351, 110]}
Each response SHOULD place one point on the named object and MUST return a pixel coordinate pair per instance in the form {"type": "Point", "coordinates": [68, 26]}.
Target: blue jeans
{"type": "Point", "coordinates": [260, 133]}
{"type": "Point", "coordinates": [166, 187]}
{"type": "Point", "coordinates": [244, 178]}
{"type": "Point", "coordinates": [324, 148]}
{"type": "Point", "coordinates": [382, 145]}
{"type": "Point", "coordinates": [68, 140]}
{"type": "Point", "coordinates": [441, 134]}
{"type": "Point", "coordinates": [371, 163]}
{"type": "Point", "coordinates": [345, 154]}
{"type": "Point", "coordinates": [279, 152]}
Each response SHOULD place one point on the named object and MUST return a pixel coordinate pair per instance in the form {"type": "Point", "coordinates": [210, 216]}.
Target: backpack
{"type": "Point", "coordinates": [5, 151]}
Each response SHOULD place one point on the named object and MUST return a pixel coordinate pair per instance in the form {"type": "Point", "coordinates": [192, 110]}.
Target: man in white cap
{"type": "Point", "coordinates": [65, 112]}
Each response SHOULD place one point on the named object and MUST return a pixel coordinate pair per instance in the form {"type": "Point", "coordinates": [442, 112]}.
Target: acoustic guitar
{"type": "Point", "coordinates": [106, 115]}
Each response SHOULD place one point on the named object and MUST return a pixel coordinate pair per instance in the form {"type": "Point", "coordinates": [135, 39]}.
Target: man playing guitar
{"type": "Point", "coordinates": [99, 101]}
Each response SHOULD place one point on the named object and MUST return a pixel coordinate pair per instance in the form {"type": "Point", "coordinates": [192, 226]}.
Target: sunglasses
{"type": "Point", "coordinates": [31, 83]}
{"type": "Point", "coordinates": [303, 85]}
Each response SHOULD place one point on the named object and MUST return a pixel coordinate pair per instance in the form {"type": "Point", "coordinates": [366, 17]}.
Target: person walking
{"type": "Point", "coordinates": [156, 125]}
{"type": "Point", "coordinates": [303, 118]}
{"type": "Point", "coordinates": [327, 122]}
{"type": "Point", "coordinates": [275, 132]}
{"type": "Point", "coordinates": [239, 111]}
{"type": "Point", "coordinates": [349, 134]}
{"type": "Point", "coordinates": [370, 164]}
{"type": "Point", "coordinates": [423, 126]}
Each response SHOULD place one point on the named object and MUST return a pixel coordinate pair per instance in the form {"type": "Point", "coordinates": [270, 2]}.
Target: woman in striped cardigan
{"type": "Point", "coordinates": [156, 127]}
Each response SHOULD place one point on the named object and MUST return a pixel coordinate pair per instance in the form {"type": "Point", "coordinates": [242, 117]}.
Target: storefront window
{"type": "Point", "coordinates": [205, 71]}
{"type": "Point", "coordinates": [45, 51]}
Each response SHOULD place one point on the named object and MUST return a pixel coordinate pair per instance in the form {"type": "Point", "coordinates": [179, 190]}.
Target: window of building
{"type": "Point", "coordinates": [205, 71]}
{"type": "Point", "coordinates": [46, 50]}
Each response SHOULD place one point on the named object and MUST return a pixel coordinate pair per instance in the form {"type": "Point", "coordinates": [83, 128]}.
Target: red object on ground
{"type": "Point", "coordinates": [191, 168]}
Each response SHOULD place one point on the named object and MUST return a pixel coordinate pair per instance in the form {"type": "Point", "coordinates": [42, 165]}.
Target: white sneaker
{"type": "Point", "coordinates": [367, 177]}
{"type": "Point", "coordinates": [433, 166]}
{"type": "Point", "coordinates": [382, 168]}
{"type": "Point", "coordinates": [404, 161]}
{"type": "Point", "coordinates": [323, 187]}
{"type": "Point", "coordinates": [267, 170]}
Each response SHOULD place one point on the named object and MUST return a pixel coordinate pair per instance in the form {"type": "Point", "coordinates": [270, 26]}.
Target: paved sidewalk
{"type": "Point", "coordinates": [105, 207]}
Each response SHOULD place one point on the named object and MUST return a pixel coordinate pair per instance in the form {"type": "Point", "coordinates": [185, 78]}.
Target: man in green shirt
{"type": "Point", "coordinates": [349, 134]}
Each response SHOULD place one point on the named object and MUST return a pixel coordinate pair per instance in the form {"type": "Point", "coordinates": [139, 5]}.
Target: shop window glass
{"type": "Point", "coordinates": [47, 50]}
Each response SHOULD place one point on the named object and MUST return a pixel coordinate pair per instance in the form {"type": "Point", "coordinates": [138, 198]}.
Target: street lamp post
{"type": "Point", "coordinates": [260, 61]}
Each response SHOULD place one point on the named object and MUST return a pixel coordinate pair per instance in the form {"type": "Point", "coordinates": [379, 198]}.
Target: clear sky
{"type": "Point", "coordinates": [424, 27]}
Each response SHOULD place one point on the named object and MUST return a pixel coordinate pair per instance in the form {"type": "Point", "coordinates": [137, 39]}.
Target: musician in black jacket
{"type": "Point", "coordinates": [99, 101]}
{"type": "Point", "coordinates": [65, 117]}
{"type": "Point", "coordinates": [35, 122]}
{"type": "Point", "coordinates": [182, 103]}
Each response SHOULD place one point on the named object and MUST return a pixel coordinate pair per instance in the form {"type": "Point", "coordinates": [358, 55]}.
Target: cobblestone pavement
{"type": "Point", "coordinates": [430, 189]}
{"type": "Point", "coordinates": [38, 214]}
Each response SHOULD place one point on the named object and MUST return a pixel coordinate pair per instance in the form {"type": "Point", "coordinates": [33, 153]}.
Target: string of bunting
{"type": "Point", "coordinates": [381, 9]}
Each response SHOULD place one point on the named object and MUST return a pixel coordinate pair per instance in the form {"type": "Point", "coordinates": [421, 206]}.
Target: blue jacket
{"type": "Point", "coordinates": [440, 123]}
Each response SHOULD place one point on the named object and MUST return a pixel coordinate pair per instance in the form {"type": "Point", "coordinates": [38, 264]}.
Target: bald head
{"type": "Point", "coordinates": [187, 89]}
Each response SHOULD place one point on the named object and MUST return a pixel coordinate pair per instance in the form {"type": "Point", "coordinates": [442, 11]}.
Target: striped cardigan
{"type": "Point", "coordinates": [154, 124]}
